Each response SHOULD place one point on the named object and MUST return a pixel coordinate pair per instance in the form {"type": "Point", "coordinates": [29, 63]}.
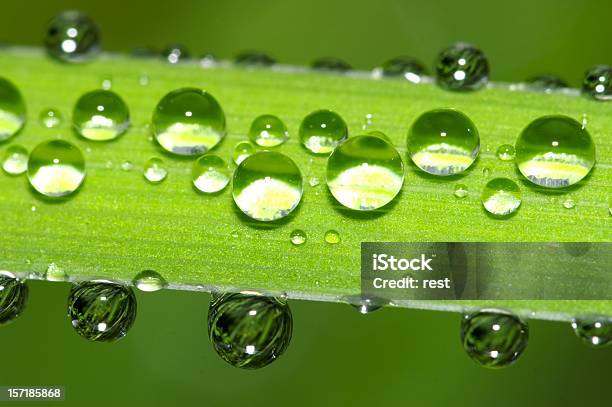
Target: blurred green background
{"type": "Point", "coordinates": [337, 357]}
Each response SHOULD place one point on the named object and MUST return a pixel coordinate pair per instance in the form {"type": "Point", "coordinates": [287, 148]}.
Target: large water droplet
{"type": "Point", "coordinates": [462, 67]}
{"type": "Point", "coordinates": [242, 150]}
{"type": "Point", "coordinates": [15, 161]}
{"type": "Point", "coordinates": [50, 118]}
{"type": "Point", "coordinates": [322, 131]}
{"type": "Point", "coordinates": [555, 152]}
{"type": "Point", "coordinates": [254, 59]}
{"type": "Point", "coordinates": [506, 152]}
{"type": "Point", "coordinates": [297, 237]}
{"type": "Point", "coordinates": [12, 110]}
{"type": "Point", "coordinates": [210, 174]}
{"type": "Point", "coordinates": [188, 121]}
{"type": "Point", "coordinates": [330, 64]}
{"type": "Point", "coordinates": [249, 331]}
{"type": "Point", "coordinates": [13, 297]}
{"type": "Point", "coordinates": [594, 330]}
{"type": "Point", "coordinates": [494, 338]}
{"type": "Point", "coordinates": [406, 67]}
{"type": "Point", "coordinates": [56, 168]}
{"type": "Point", "coordinates": [268, 131]}
{"type": "Point", "coordinates": [546, 83]}
{"type": "Point", "coordinates": [501, 197]}
{"type": "Point", "coordinates": [365, 173]}
{"type": "Point", "coordinates": [100, 115]}
{"type": "Point", "coordinates": [101, 310]}
{"type": "Point", "coordinates": [267, 186]}
{"type": "Point", "coordinates": [443, 142]}
{"type": "Point", "coordinates": [332, 237]}
{"type": "Point", "coordinates": [175, 53]}
{"type": "Point", "coordinates": [149, 281]}
{"type": "Point", "coordinates": [72, 37]}
{"type": "Point", "coordinates": [154, 170]}
{"type": "Point", "coordinates": [597, 82]}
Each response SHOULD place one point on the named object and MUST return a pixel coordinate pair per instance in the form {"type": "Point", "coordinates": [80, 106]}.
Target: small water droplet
{"type": "Point", "coordinates": [461, 191]}
{"type": "Point", "coordinates": [366, 305]}
{"type": "Point", "coordinates": [33, 208]}
{"type": "Point", "coordinates": [462, 67]}
{"type": "Point", "coordinates": [249, 331]}
{"type": "Point", "coordinates": [313, 182]}
{"type": "Point", "coordinates": [234, 234]}
{"type": "Point", "coordinates": [154, 170]}
{"type": "Point", "coordinates": [208, 60]}
{"type": "Point", "coordinates": [268, 131]}
{"type": "Point", "coordinates": [50, 118]}
{"type": "Point", "coordinates": [322, 131]}
{"type": "Point", "coordinates": [546, 83]}
{"type": "Point", "coordinates": [597, 82]}
{"type": "Point", "coordinates": [443, 142]}
{"type": "Point", "coordinates": [506, 152]}
{"type": "Point", "coordinates": [101, 310]}
{"type": "Point", "coordinates": [72, 37]}
{"type": "Point", "coordinates": [555, 152]}
{"type": "Point", "coordinates": [144, 80]}
{"type": "Point", "coordinates": [332, 236]}
{"type": "Point", "coordinates": [594, 330]}
{"type": "Point", "coordinates": [330, 64]}
{"type": "Point", "coordinates": [100, 115]}
{"type": "Point", "coordinates": [125, 165]}
{"type": "Point", "coordinates": [15, 161]}
{"type": "Point", "coordinates": [55, 273]}
{"type": "Point", "coordinates": [297, 237]}
{"type": "Point", "coordinates": [242, 150]}
{"type": "Point", "coordinates": [406, 67]}
{"type": "Point", "coordinates": [365, 173]}
{"type": "Point", "coordinates": [12, 110]}
{"type": "Point", "coordinates": [254, 59]}
{"type": "Point", "coordinates": [56, 168]}
{"type": "Point", "coordinates": [210, 174]}
{"type": "Point", "coordinates": [367, 121]}
{"type": "Point", "coordinates": [106, 83]}
{"type": "Point", "coordinates": [175, 53]}
{"type": "Point", "coordinates": [494, 338]}
{"type": "Point", "coordinates": [188, 121]}
{"type": "Point", "coordinates": [267, 186]}
{"type": "Point", "coordinates": [149, 281]}
{"type": "Point", "coordinates": [13, 296]}
{"type": "Point", "coordinates": [501, 197]}
{"type": "Point", "coordinates": [486, 172]}
{"type": "Point", "coordinates": [569, 203]}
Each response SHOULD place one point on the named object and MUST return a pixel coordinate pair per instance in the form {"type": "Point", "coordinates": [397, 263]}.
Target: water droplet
{"type": "Point", "coordinates": [126, 165]}
{"type": "Point", "coordinates": [486, 171]}
{"type": "Point", "coordinates": [501, 196]}
{"type": "Point", "coordinates": [597, 82]}
{"type": "Point", "coordinates": [267, 186]}
{"type": "Point", "coordinates": [242, 150]}
{"type": "Point", "coordinates": [461, 191]}
{"type": "Point", "coordinates": [144, 80]}
{"type": "Point", "coordinates": [594, 330]}
{"type": "Point", "coordinates": [365, 173]}
{"type": "Point", "coordinates": [55, 273]}
{"type": "Point", "coordinates": [15, 160]}
{"type": "Point", "coordinates": [462, 67]}
{"type": "Point", "coordinates": [546, 83]}
{"type": "Point", "coordinates": [154, 170]}
{"type": "Point", "coordinates": [555, 152]}
{"type": "Point", "coordinates": [298, 237]}
{"type": "Point", "coordinates": [367, 123]}
{"type": "Point", "coordinates": [321, 131]}
{"type": "Point", "coordinates": [249, 331]}
{"type": "Point", "coordinates": [72, 37]}
{"type": "Point", "coordinates": [101, 310]}
{"type": "Point", "coordinates": [234, 234]}
{"type": "Point", "coordinates": [188, 121]}
{"type": "Point", "coordinates": [406, 67]}
{"type": "Point", "coordinates": [494, 338]}
{"type": "Point", "coordinates": [443, 142]}
{"type": "Point", "coordinates": [107, 83]}
{"type": "Point", "coordinates": [569, 203]}
{"type": "Point", "coordinates": [330, 64]}
{"type": "Point", "coordinates": [506, 152]}
{"type": "Point", "coordinates": [313, 182]}
{"type": "Point", "coordinates": [100, 115]}
{"type": "Point", "coordinates": [50, 118]}
{"type": "Point", "coordinates": [210, 174]}
{"type": "Point", "coordinates": [13, 297]}
{"type": "Point", "coordinates": [12, 110]}
{"type": "Point", "coordinates": [149, 281]}
{"type": "Point", "coordinates": [268, 131]}
{"type": "Point", "coordinates": [56, 168]}
{"type": "Point", "coordinates": [332, 236]}
{"type": "Point", "coordinates": [208, 60]}
{"type": "Point", "coordinates": [33, 208]}
{"type": "Point", "coordinates": [366, 305]}
{"type": "Point", "coordinates": [175, 53]}
{"type": "Point", "coordinates": [254, 59]}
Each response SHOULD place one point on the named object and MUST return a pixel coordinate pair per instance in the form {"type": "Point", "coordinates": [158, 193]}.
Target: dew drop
{"type": "Point", "coordinates": [546, 83]}
{"type": "Point", "coordinates": [72, 37]}
{"type": "Point", "coordinates": [13, 296]}
{"type": "Point", "coordinates": [569, 203]}
{"type": "Point", "coordinates": [175, 53]}
{"type": "Point", "coordinates": [126, 166]}
{"type": "Point", "coordinates": [56, 168]}
{"type": "Point", "coordinates": [267, 186]}
{"type": "Point", "coordinates": [494, 338]}
{"type": "Point", "coordinates": [268, 131]}
{"type": "Point", "coordinates": [208, 60]}
{"type": "Point", "coordinates": [501, 197]}
{"type": "Point", "coordinates": [405, 67]}
{"type": "Point", "coordinates": [555, 152]}
{"type": "Point", "coordinates": [15, 161]}
{"type": "Point", "coordinates": [313, 182]}
{"type": "Point", "coordinates": [365, 173]}
{"type": "Point", "coordinates": [322, 131]}
{"type": "Point", "coordinates": [366, 305]}
{"type": "Point", "coordinates": [106, 83]}
{"type": "Point", "coordinates": [188, 121]}
{"type": "Point", "coordinates": [12, 110]}
{"type": "Point", "coordinates": [242, 150]}
{"type": "Point", "coordinates": [55, 273]}
{"type": "Point", "coordinates": [332, 236]}
{"type": "Point", "coordinates": [443, 142]}
{"type": "Point", "coordinates": [506, 152]}
{"type": "Point", "coordinates": [210, 174]}
{"type": "Point", "coordinates": [254, 59]}
{"type": "Point", "coordinates": [50, 118]}
{"type": "Point", "coordinates": [461, 191]}
{"type": "Point", "coordinates": [249, 331]}
{"type": "Point", "coordinates": [297, 237]}
{"type": "Point", "coordinates": [330, 64]}
{"type": "Point", "coordinates": [486, 172]}
{"type": "Point", "coordinates": [461, 67]}
{"type": "Point", "coordinates": [597, 82]}
{"type": "Point", "coordinates": [149, 281]}
{"type": "Point", "coordinates": [100, 115]}
{"type": "Point", "coordinates": [234, 234]}
{"type": "Point", "coordinates": [101, 310]}
{"type": "Point", "coordinates": [594, 330]}
{"type": "Point", "coordinates": [154, 170]}
{"type": "Point", "coordinates": [144, 80]}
